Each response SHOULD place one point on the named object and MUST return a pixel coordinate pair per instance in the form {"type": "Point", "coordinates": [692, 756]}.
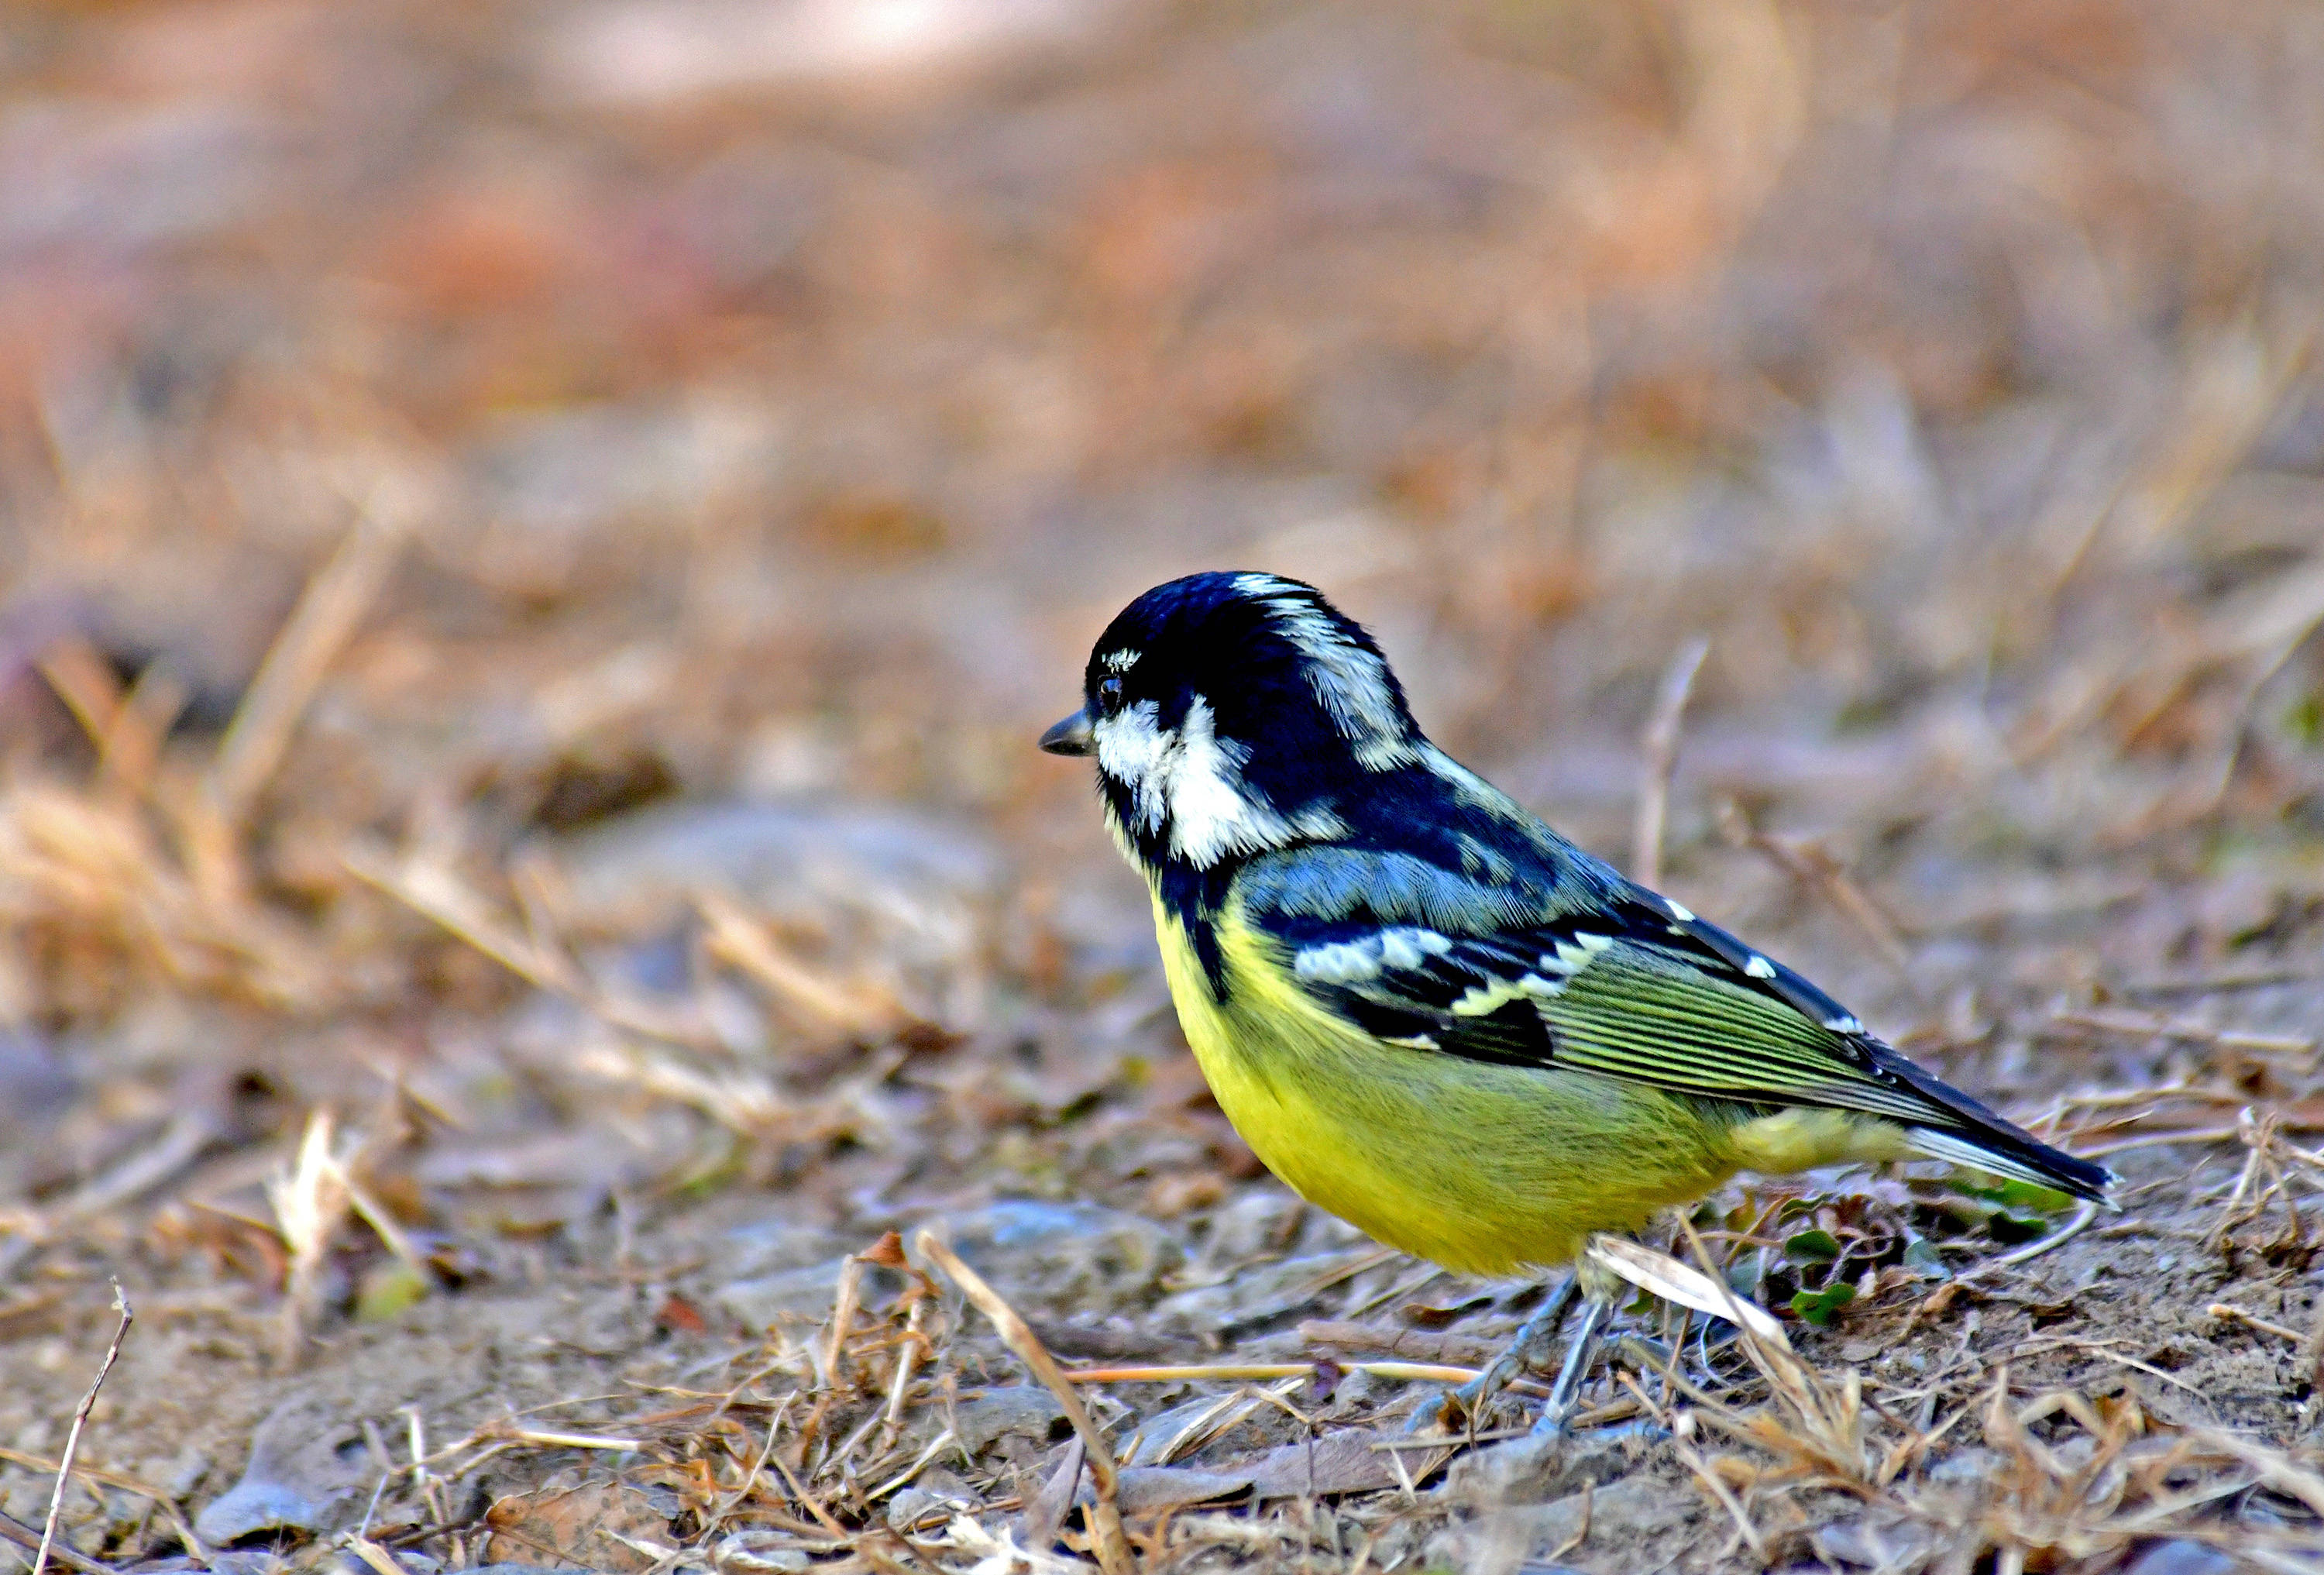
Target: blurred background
{"type": "Point", "coordinates": [536, 540]}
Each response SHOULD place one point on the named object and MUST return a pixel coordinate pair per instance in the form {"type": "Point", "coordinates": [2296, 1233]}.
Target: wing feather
{"type": "Point", "coordinates": [1628, 985]}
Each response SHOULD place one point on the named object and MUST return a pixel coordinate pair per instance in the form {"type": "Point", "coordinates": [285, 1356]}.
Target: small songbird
{"type": "Point", "coordinates": [1427, 1011]}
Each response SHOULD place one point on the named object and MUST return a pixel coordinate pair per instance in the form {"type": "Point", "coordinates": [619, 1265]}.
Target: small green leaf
{"type": "Point", "coordinates": [2305, 719]}
{"type": "Point", "coordinates": [2025, 1194]}
{"type": "Point", "coordinates": [1819, 1307]}
{"type": "Point", "coordinates": [2021, 1195]}
{"type": "Point", "coordinates": [387, 1289]}
{"type": "Point", "coordinates": [2011, 1230]}
{"type": "Point", "coordinates": [1812, 1246]}
{"type": "Point", "coordinates": [1923, 1256]}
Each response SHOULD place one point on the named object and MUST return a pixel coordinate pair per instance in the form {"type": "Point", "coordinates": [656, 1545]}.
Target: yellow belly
{"type": "Point", "coordinates": [1481, 1167]}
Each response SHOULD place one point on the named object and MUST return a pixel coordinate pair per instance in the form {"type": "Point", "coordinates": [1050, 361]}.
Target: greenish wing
{"type": "Point", "coordinates": [1637, 989]}
{"type": "Point", "coordinates": [1582, 969]}
{"type": "Point", "coordinates": [1641, 1013]}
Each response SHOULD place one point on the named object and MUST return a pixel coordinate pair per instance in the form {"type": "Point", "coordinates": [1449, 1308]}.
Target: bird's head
{"type": "Point", "coordinates": [1231, 714]}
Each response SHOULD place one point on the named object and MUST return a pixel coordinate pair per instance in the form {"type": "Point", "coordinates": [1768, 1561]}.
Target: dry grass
{"type": "Point", "coordinates": [1865, 462]}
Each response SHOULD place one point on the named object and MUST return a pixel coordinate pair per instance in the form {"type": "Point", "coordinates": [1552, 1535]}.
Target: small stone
{"type": "Point", "coordinates": [183, 1474]}
{"type": "Point", "coordinates": [2181, 1557]}
{"type": "Point", "coordinates": [244, 1561]}
{"type": "Point", "coordinates": [1538, 1469]}
{"type": "Point", "coordinates": [347, 1564]}
{"type": "Point", "coordinates": [1260, 1224]}
{"type": "Point", "coordinates": [306, 1473]}
{"type": "Point", "coordinates": [1253, 1295]}
{"type": "Point", "coordinates": [937, 1492]}
{"type": "Point", "coordinates": [1966, 1467]}
{"type": "Point", "coordinates": [1077, 1255]}
{"type": "Point", "coordinates": [801, 1294]}
{"type": "Point", "coordinates": [1882, 1542]}
{"type": "Point", "coordinates": [753, 1552]}
{"type": "Point", "coordinates": [1515, 1535]}
{"type": "Point", "coordinates": [1027, 1410]}
{"type": "Point", "coordinates": [1158, 1432]}
{"type": "Point", "coordinates": [769, 1246]}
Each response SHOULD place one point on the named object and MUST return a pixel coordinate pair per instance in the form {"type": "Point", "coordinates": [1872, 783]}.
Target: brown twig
{"type": "Point", "coordinates": [2220, 983]}
{"type": "Point", "coordinates": [1250, 1372]}
{"type": "Point", "coordinates": [751, 1482]}
{"type": "Point", "coordinates": [126, 727]}
{"type": "Point", "coordinates": [736, 937]}
{"type": "Point", "coordinates": [843, 1302]}
{"type": "Point", "coordinates": [79, 677]}
{"type": "Point", "coordinates": [80, 1417]}
{"type": "Point", "coordinates": [1816, 871]}
{"type": "Point", "coordinates": [1394, 1343]}
{"type": "Point", "coordinates": [2155, 1024]}
{"type": "Point", "coordinates": [1112, 1547]}
{"type": "Point", "coordinates": [28, 1538]}
{"type": "Point", "coordinates": [2235, 1314]}
{"type": "Point", "coordinates": [333, 603]}
{"type": "Point", "coordinates": [1582, 1531]}
{"type": "Point", "coordinates": [1659, 759]}
{"type": "Point", "coordinates": [798, 1491]}
{"type": "Point", "coordinates": [1715, 1486]}
{"type": "Point", "coordinates": [2312, 1351]}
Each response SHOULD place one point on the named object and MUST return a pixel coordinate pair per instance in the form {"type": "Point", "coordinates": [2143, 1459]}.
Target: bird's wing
{"type": "Point", "coordinates": [1631, 986]}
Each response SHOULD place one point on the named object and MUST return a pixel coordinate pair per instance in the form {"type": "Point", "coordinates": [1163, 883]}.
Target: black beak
{"type": "Point", "coordinates": [1071, 736]}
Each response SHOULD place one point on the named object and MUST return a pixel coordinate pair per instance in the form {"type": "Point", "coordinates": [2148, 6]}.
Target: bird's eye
{"type": "Point", "coordinates": [1109, 694]}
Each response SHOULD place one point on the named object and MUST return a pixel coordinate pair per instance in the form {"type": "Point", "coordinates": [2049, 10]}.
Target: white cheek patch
{"type": "Point", "coordinates": [1212, 810]}
{"type": "Point", "coordinates": [1131, 748]}
{"type": "Point", "coordinates": [1214, 813]}
{"type": "Point", "coordinates": [1191, 781]}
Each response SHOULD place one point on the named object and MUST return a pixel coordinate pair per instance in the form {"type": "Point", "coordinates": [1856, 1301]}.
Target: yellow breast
{"type": "Point", "coordinates": [1478, 1166]}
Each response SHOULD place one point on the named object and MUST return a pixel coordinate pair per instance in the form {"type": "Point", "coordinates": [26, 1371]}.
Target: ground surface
{"type": "Point", "coordinates": [537, 539]}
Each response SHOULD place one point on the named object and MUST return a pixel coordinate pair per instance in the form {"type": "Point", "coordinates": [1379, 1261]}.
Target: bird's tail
{"type": "Point", "coordinates": [2006, 1150]}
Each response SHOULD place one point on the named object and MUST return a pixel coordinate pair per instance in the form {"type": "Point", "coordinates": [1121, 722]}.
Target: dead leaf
{"type": "Point", "coordinates": [597, 1526]}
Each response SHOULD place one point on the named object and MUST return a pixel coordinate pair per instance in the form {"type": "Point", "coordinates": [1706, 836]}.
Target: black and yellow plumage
{"type": "Point", "coordinates": [1424, 1009]}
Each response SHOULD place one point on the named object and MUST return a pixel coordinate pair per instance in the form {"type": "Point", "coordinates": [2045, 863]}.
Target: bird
{"type": "Point", "coordinates": [1430, 1014]}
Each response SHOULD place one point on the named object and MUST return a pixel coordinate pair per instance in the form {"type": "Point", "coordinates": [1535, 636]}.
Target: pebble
{"type": "Point", "coordinates": [306, 1473]}
{"type": "Point", "coordinates": [1080, 1255]}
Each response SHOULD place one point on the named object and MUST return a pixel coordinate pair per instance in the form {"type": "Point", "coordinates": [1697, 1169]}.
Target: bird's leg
{"type": "Point", "coordinates": [1527, 1350]}
{"type": "Point", "coordinates": [1564, 1395]}
{"type": "Point", "coordinates": [1602, 1291]}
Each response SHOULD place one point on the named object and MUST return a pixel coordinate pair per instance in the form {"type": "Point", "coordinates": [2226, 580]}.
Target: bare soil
{"type": "Point", "coordinates": [537, 539]}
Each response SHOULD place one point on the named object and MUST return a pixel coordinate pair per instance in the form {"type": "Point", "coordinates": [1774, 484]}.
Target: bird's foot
{"type": "Point", "coordinates": [1529, 1350]}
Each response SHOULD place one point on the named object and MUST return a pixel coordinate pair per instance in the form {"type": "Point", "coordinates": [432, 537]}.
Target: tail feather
{"type": "Point", "coordinates": [2022, 1158]}
{"type": "Point", "coordinates": [1967, 1132]}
